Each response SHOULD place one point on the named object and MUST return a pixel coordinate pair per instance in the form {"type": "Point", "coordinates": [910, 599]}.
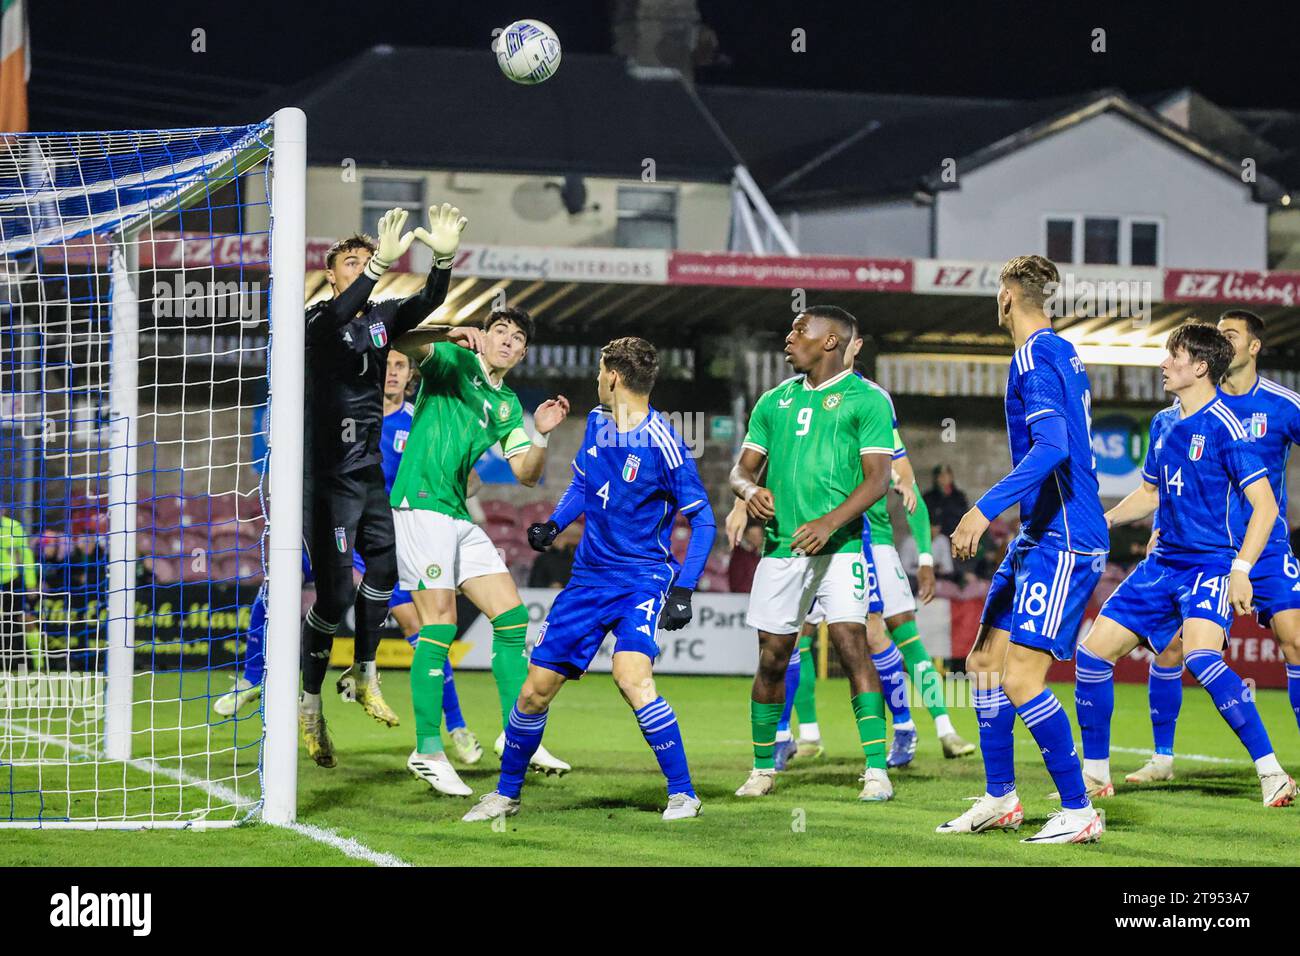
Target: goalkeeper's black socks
{"type": "Point", "coordinates": [317, 641]}
{"type": "Point", "coordinates": [371, 612]}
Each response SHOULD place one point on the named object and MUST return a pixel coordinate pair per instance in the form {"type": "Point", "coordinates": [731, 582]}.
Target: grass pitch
{"type": "Point", "coordinates": [606, 812]}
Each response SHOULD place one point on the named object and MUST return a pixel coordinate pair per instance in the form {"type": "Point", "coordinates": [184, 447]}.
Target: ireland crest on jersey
{"type": "Point", "coordinates": [1259, 425]}
{"type": "Point", "coordinates": [378, 334]}
{"type": "Point", "coordinates": [1197, 449]}
{"type": "Point", "coordinates": [631, 467]}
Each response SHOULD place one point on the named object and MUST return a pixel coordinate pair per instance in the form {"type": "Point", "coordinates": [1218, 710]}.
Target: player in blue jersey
{"type": "Point", "coordinates": [632, 475]}
{"type": "Point", "coordinates": [1217, 514]}
{"type": "Point", "coordinates": [1270, 416]}
{"type": "Point", "coordinates": [1038, 594]}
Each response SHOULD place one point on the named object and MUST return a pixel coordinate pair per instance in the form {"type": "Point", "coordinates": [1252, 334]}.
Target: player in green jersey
{"type": "Point", "coordinates": [825, 437]}
{"type": "Point", "coordinates": [462, 409]}
{"type": "Point", "coordinates": [899, 626]}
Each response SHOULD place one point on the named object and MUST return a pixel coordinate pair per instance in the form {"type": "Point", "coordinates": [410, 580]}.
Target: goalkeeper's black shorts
{"type": "Point", "coordinates": [343, 513]}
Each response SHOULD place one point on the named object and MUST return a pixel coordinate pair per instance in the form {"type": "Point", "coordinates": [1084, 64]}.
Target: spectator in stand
{"type": "Point", "coordinates": [947, 502]}
{"type": "Point", "coordinates": [554, 566]}
{"type": "Point", "coordinates": [744, 559]}
{"type": "Point", "coordinates": [941, 550]}
{"type": "Point", "coordinates": [1128, 543]}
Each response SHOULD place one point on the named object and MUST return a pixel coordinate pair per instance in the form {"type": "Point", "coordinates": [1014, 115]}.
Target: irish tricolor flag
{"type": "Point", "coordinates": [15, 67]}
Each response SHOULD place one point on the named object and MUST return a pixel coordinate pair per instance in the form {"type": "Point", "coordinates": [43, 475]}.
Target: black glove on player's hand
{"type": "Point", "coordinates": [677, 609]}
{"type": "Point", "coordinates": [542, 535]}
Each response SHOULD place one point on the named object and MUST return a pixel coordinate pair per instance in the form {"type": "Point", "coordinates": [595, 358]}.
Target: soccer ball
{"type": "Point", "coordinates": [528, 51]}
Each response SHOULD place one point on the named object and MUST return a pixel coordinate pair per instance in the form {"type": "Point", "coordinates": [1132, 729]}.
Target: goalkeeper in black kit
{"type": "Point", "coordinates": [345, 503]}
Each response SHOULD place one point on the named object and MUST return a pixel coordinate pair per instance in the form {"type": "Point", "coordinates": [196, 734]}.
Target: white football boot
{"type": "Point", "coordinates": [876, 787]}
{"type": "Point", "coordinates": [1279, 789]}
{"type": "Point", "coordinates": [987, 813]}
{"type": "Point", "coordinates": [1070, 826]}
{"type": "Point", "coordinates": [543, 761]}
{"type": "Point", "coordinates": [1157, 768]}
{"type": "Point", "coordinates": [438, 773]}
{"type": "Point", "coordinates": [759, 783]}
{"type": "Point", "coordinates": [682, 806]}
{"type": "Point", "coordinates": [239, 697]}
{"type": "Point", "coordinates": [489, 807]}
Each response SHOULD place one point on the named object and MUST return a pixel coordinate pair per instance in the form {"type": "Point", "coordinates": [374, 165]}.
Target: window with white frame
{"type": "Point", "coordinates": [647, 218]}
{"type": "Point", "coordinates": [1103, 240]}
{"type": "Point", "coordinates": [382, 193]}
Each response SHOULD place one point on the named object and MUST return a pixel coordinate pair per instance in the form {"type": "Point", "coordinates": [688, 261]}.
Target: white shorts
{"type": "Point", "coordinates": [895, 592]}
{"type": "Point", "coordinates": [436, 551]}
{"type": "Point", "coordinates": [784, 589]}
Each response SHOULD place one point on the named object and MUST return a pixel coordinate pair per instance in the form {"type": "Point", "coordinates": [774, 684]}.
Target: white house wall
{"type": "Point", "coordinates": [890, 229]}
{"type": "Point", "coordinates": [1105, 166]}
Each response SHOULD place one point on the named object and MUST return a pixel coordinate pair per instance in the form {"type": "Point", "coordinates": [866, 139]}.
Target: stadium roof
{"type": "Point", "coordinates": [451, 109]}
{"type": "Point", "coordinates": [876, 146]}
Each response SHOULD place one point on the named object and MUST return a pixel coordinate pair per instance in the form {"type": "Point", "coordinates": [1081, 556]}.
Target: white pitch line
{"type": "Point", "coordinates": [1203, 758]}
{"type": "Point", "coordinates": [345, 845]}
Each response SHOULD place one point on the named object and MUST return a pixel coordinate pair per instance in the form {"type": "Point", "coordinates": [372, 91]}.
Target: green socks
{"type": "Point", "coordinates": [426, 685]}
{"type": "Point", "coordinates": [869, 709]}
{"type": "Point", "coordinates": [924, 677]}
{"type": "Point", "coordinates": [805, 698]}
{"type": "Point", "coordinates": [509, 656]}
{"type": "Point", "coordinates": [763, 718]}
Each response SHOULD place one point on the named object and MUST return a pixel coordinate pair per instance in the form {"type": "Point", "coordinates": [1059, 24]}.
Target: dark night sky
{"type": "Point", "coordinates": [1237, 54]}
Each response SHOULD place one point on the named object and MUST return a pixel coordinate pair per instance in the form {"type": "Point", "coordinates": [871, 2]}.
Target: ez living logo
{"type": "Point", "coordinates": [75, 909]}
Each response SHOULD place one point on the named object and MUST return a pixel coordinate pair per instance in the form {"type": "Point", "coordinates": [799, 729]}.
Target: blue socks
{"type": "Point", "coordinates": [791, 688]}
{"type": "Point", "coordinates": [997, 721]}
{"type": "Point", "coordinates": [1165, 691]}
{"type": "Point", "coordinates": [1094, 702]}
{"type": "Point", "coordinates": [661, 732]}
{"type": "Point", "coordinates": [523, 737]}
{"type": "Point", "coordinates": [254, 661]}
{"type": "Point", "coordinates": [1046, 720]}
{"type": "Point", "coordinates": [1293, 688]}
{"type": "Point", "coordinates": [1235, 700]}
{"type": "Point", "coordinates": [450, 699]}
{"type": "Point", "coordinates": [889, 665]}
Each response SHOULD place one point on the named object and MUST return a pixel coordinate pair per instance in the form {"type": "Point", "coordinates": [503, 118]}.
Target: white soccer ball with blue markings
{"type": "Point", "coordinates": [528, 51]}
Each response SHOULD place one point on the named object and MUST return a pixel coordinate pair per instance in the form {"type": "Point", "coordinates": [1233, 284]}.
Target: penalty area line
{"type": "Point", "coordinates": [345, 845]}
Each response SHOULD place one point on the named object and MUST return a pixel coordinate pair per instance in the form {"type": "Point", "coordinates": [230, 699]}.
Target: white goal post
{"type": "Point", "coordinates": [150, 472]}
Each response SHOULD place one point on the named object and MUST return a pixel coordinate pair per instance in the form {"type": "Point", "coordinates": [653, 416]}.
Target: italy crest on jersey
{"type": "Point", "coordinates": [1259, 425]}
{"type": "Point", "coordinates": [1197, 449]}
{"type": "Point", "coordinates": [378, 334]}
{"type": "Point", "coordinates": [631, 467]}
{"type": "Point", "coordinates": [341, 539]}
{"type": "Point", "coordinates": [399, 441]}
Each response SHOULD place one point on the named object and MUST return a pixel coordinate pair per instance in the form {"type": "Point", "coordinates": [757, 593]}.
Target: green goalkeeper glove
{"type": "Point", "coordinates": [443, 235]}
{"type": "Point", "coordinates": [393, 243]}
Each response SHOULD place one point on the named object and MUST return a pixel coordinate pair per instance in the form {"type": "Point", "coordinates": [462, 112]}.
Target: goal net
{"type": "Point", "coordinates": [137, 319]}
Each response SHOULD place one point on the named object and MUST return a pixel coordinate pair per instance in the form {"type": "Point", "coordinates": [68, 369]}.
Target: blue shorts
{"type": "Point", "coordinates": [1275, 579]}
{"type": "Point", "coordinates": [1161, 593]}
{"type": "Point", "coordinates": [581, 616]}
{"type": "Point", "coordinates": [399, 597]}
{"type": "Point", "coordinates": [1039, 593]}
